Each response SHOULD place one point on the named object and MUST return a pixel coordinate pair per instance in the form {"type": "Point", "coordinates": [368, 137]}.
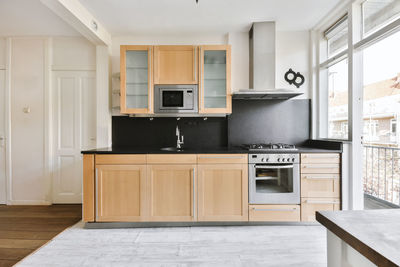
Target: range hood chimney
{"type": "Point", "coordinates": [262, 62]}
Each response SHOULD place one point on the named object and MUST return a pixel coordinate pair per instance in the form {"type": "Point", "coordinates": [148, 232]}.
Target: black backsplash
{"type": "Point", "coordinates": [251, 121]}
{"type": "Point", "coordinates": [265, 121]}
{"type": "Point", "coordinates": [161, 132]}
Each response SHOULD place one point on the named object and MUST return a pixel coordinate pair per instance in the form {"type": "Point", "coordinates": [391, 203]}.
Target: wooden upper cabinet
{"type": "Point", "coordinates": [171, 192]}
{"type": "Point", "coordinates": [121, 193]}
{"type": "Point", "coordinates": [215, 79]}
{"type": "Point", "coordinates": [222, 192]}
{"type": "Point", "coordinates": [136, 79]}
{"type": "Point", "coordinates": [175, 64]}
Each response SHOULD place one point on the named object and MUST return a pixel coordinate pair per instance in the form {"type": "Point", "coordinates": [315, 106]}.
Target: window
{"type": "Point", "coordinates": [338, 100]}
{"type": "Point", "coordinates": [370, 130]}
{"type": "Point", "coordinates": [336, 36]}
{"type": "Point", "coordinates": [379, 13]}
{"type": "Point", "coordinates": [393, 130]}
{"type": "Point", "coordinates": [381, 86]}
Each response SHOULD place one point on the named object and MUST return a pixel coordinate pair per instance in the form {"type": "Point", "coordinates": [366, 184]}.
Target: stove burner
{"type": "Point", "coordinates": [270, 146]}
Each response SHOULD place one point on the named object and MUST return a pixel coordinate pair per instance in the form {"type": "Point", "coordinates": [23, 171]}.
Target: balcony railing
{"type": "Point", "coordinates": [381, 173]}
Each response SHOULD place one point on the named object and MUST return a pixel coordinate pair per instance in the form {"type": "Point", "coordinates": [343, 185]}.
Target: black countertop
{"type": "Point", "coordinates": [216, 150]}
{"type": "Point", "coordinates": [373, 233]}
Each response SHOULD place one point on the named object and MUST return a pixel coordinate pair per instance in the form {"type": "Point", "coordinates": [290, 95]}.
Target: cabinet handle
{"type": "Point", "coordinates": [321, 156]}
{"type": "Point", "coordinates": [319, 167]}
{"type": "Point", "coordinates": [291, 209]}
{"type": "Point", "coordinates": [195, 64]}
{"type": "Point", "coordinates": [194, 192]}
{"type": "Point", "coordinates": [320, 178]}
{"type": "Point", "coordinates": [322, 202]}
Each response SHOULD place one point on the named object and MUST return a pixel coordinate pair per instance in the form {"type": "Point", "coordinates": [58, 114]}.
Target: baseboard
{"type": "Point", "coordinates": [28, 202]}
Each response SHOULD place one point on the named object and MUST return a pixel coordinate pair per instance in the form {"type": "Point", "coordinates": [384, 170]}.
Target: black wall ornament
{"type": "Point", "coordinates": [294, 78]}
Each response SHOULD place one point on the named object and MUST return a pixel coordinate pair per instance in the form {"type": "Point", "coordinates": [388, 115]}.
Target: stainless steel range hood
{"type": "Point", "coordinates": [262, 65]}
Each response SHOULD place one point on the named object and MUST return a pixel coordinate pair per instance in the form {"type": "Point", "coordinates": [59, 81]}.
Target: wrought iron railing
{"type": "Point", "coordinates": [381, 172]}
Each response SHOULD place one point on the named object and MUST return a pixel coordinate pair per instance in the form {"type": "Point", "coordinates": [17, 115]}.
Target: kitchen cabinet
{"type": "Point", "coordinates": [171, 192]}
{"type": "Point", "coordinates": [309, 206]}
{"type": "Point", "coordinates": [121, 193]}
{"type": "Point", "coordinates": [222, 189]}
{"type": "Point", "coordinates": [175, 64]}
{"type": "Point", "coordinates": [215, 79]}
{"type": "Point", "coordinates": [136, 86]}
{"type": "Point", "coordinates": [320, 183]}
{"type": "Point", "coordinates": [274, 213]}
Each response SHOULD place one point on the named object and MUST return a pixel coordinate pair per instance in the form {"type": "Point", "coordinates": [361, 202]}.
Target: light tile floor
{"type": "Point", "coordinates": [293, 245]}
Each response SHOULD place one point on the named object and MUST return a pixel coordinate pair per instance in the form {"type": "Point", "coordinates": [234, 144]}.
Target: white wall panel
{"type": "Point", "coordinates": [28, 181]}
{"type": "Point", "coordinates": [2, 140]}
{"type": "Point", "coordinates": [73, 54]}
{"type": "Point", "coordinates": [2, 53]}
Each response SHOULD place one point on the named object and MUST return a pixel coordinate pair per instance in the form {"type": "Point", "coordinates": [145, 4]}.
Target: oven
{"type": "Point", "coordinates": [274, 179]}
{"type": "Point", "coordinates": [175, 98]}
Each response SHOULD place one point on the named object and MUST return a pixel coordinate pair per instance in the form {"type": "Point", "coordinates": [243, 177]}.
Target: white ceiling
{"type": "Point", "coordinates": [151, 17]}
{"type": "Point", "coordinates": [31, 17]}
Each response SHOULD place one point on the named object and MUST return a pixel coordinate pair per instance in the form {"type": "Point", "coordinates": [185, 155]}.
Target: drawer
{"type": "Point", "coordinates": [274, 213]}
{"type": "Point", "coordinates": [120, 159]}
{"type": "Point", "coordinates": [320, 158]}
{"type": "Point", "coordinates": [320, 185]}
{"type": "Point", "coordinates": [221, 158]}
{"type": "Point", "coordinates": [171, 159]}
{"type": "Point", "coordinates": [320, 168]}
{"type": "Point", "coordinates": [309, 206]}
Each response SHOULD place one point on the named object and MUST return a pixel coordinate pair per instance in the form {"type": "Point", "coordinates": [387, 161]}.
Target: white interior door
{"type": "Point", "coordinates": [2, 139]}
{"type": "Point", "coordinates": [74, 112]}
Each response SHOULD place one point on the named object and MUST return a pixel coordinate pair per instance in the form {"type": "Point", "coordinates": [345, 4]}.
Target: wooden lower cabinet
{"type": "Point", "coordinates": [324, 185]}
{"type": "Point", "coordinates": [121, 193]}
{"type": "Point", "coordinates": [309, 206]}
{"type": "Point", "coordinates": [171, 192]}
{"type": "Point", "coordinates": [222, 192]}
{"type": "Point", "coordinates": [274, 213]}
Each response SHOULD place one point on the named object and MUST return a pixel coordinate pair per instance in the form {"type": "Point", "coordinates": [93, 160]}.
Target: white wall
{"type": "Point", "coordinates": [292, 51]}
{"type": "Point", "coordinates": [28, 164]}
{"type": "Point", "coordinates": [2, 53]}
{"type": "Point", "coordinates": [75, 53]}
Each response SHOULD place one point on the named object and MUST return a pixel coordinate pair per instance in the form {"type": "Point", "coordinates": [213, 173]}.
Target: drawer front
{"type": "Point", "coordinates": [120, 159]}
{"type": "Point", "coordinates": [222, 158]}
{"type": "Point", "coordinates": [274, 213]}
{"type": "Point", "coordinates": [320, 158]}
{"type": "Point", "coordinates": [171, 159]}
{"type": "Point", "coordinates": [309, 206]}
{"type": "Point", "coordinates": [320, 168]}
{"type": "Point", "coordinates": [320, 185]}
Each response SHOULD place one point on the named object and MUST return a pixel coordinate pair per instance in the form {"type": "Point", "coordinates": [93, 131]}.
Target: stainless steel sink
{"type": "Point", "coordinates": [170, 149]}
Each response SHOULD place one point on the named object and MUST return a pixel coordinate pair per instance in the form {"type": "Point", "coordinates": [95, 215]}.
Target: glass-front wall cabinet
{"type": "Point", "coordinates": [136, 79]}
{"type": "Point", "coordinates": [215, 79]}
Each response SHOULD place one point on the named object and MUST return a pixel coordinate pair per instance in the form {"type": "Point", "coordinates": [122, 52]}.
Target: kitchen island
{"type": "Point", "coordinates": [363, 237]}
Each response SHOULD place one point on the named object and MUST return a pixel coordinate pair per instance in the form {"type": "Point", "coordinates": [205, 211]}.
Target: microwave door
{"type": "Point", "coordinates": [172, 99]}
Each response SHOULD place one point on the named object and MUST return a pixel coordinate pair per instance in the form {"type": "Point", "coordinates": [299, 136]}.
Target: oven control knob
{"type": "Point", "coordinates": [293, 159]}
{"type": "Point", "coordinates": [262, 159]}
{"type": "Point", "coordinates": [279, 159]}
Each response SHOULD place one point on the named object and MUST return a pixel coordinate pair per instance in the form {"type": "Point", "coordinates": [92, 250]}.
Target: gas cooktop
{"type": "Point", "coordinates": [270, 147]}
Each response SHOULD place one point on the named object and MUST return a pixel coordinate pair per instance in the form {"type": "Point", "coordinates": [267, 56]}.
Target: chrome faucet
{"type": "Point", "coordinates": [179, 138]}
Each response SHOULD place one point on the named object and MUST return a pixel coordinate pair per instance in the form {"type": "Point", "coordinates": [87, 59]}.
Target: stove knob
{"type": "Point", "coordinates": [262, 159]}
{"type": "Point", "coordinates": [267, 159]}
{"type": "Point", "coordinates": [279, 159]}
{"type": "Point", "coordinates": [293, 159]}
{"type": "Point", "coordinates": [288, 159]}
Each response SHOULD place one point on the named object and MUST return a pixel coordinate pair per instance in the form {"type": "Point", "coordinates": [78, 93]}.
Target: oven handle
{"type": "Point", "coordinates": [274, 167]}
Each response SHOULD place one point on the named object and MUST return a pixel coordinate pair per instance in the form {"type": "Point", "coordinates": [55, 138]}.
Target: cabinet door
{"type": "Point", "coordinates": [171, 192]}
{"type": "Point", "coordinates": [136, 79]}
{"type": "Point", "coordinates": [121, 193]}
{"type": "Point", "coordinates": [309, 206]}
{"type": "Point", "coordinates": [175, 64]}
{"type": "Point", "coordinates": [215, 79]}
{"type": "Point", "coordinates": [223, 192]}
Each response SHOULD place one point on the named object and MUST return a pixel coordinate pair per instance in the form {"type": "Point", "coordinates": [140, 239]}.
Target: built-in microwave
{"type": "Point", "coordinates": [176, 98]}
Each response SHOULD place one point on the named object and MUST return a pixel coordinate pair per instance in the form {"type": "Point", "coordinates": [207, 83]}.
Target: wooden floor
{"type": "Point", "coordinates": [23, 229]}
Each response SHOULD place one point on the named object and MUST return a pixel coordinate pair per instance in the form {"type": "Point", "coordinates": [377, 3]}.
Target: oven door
{"type": "Point", "coordinates": [274, 184]}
